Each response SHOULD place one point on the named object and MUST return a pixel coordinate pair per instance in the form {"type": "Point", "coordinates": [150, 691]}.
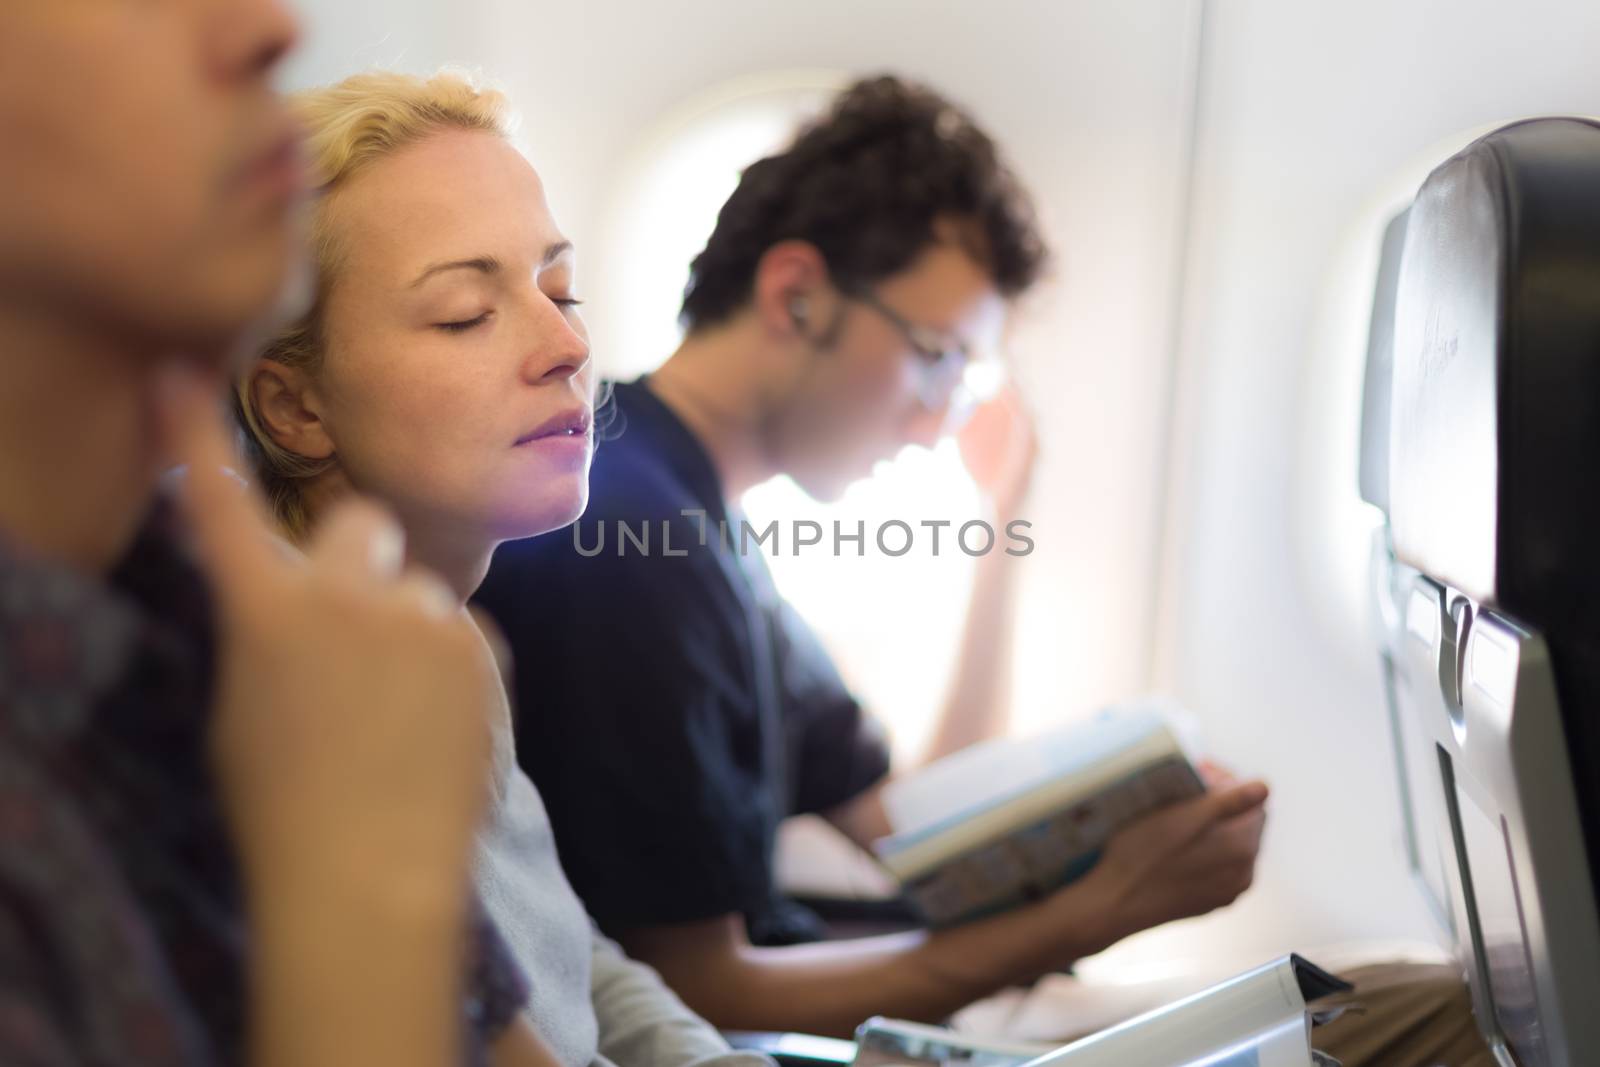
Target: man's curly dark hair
{"type": "Point", "coordinates": [865, 184]}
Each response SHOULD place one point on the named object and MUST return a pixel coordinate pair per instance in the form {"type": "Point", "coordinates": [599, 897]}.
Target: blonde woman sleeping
{"type": "Point", "coordinates": [445, 372]}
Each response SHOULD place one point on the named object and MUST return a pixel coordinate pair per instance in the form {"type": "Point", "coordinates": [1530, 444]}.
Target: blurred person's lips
{"type": "Point", "coordinates": [276, 173]}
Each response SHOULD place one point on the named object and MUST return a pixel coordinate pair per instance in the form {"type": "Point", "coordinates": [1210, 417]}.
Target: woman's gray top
{"type": "Point", "coordinates": [593, 1005]}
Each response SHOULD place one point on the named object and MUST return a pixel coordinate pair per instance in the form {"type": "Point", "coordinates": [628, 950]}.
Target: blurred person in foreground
{"type": "Point", "coordinates": [238, 793]}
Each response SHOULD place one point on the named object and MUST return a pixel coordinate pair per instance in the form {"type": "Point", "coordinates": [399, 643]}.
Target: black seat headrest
{"type": "Point", "coordinates": [1495, 422]}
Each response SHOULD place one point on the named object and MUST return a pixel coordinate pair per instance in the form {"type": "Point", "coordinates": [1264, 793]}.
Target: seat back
{"type": "Point", "coordinates": [1488, 571]}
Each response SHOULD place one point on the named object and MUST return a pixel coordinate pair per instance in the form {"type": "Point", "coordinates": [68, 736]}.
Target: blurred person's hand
{"type": "Point", "coordinates": [346, 733]}
{"type": "Point", "coordinates": [999, 448]}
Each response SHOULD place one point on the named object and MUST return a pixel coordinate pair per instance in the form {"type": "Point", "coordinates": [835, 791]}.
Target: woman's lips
{"type": "Point", "coordinates": [569, 425]}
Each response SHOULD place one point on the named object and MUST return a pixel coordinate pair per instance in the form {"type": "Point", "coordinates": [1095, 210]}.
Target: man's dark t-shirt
{"type": "Point", "coordinates": [671, 708]}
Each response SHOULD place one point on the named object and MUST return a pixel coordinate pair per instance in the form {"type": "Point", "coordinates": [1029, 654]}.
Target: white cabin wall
{"type": "Point", "coordinates": [341, 37]}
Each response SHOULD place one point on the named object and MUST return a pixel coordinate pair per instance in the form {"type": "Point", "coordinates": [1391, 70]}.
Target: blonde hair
{"type": "Point", "coordinates": [349, 126]}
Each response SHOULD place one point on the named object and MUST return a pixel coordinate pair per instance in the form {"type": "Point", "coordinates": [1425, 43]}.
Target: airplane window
{"type": "Point", "coordinates": [896, 654]}
{"type": "Point", "coordinates": [666, 200]}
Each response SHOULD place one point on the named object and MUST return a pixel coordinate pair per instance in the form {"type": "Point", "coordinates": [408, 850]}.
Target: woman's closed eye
{"type": "Point", "coordinates": [463, 325]}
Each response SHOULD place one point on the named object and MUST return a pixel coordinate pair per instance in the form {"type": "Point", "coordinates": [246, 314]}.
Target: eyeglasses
{"type": "Point", "coordinates": [945, 360]}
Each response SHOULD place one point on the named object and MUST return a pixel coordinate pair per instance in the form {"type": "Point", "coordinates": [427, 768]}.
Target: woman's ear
{"type": "Point", "coordinates": [289, 409]}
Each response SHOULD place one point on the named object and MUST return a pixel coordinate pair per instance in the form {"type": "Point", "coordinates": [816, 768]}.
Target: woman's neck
{"type": "Point", "coordinates": [461, 566]}
{"type": "Point", "coordinates": [460, 561]}
{"type": "Point", "coordinates": [79, 452]}
{"type": "Point", "coordinates": [459, 557]}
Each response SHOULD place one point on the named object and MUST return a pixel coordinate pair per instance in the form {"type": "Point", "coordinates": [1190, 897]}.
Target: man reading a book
{"type": "Point", "coordinates": [830, 319]}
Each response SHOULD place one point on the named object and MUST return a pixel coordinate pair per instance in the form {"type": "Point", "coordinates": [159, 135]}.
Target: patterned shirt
{"type": "Point", "coordinates": [122, 937]}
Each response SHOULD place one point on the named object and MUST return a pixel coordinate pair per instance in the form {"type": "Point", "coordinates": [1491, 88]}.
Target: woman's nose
{"type": "Point", "coordinates": [558, 348]}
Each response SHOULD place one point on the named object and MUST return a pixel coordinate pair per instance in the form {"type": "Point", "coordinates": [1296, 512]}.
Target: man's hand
{"type": "Point", "coordinates": [999, 448]}
{"type": "Point", "coordinates": [1183, 860]}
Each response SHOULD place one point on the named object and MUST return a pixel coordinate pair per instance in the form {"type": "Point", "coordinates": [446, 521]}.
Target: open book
{"type": "Point", "coordinates": [1010, 820]}
{"type": "Point", "coordinates": [1258, 1019]}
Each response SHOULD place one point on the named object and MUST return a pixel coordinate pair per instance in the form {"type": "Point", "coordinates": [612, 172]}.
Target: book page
{"type": "Point", "coordinates": [988, 773]}
{"type": "Point", "coordinates": [973, 777]}
{"type": "Point", "coordinates": [1030, 845]}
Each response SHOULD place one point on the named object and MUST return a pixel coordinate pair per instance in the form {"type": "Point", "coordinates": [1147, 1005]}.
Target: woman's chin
{"type": "Point", "coordinates": [529, 518]}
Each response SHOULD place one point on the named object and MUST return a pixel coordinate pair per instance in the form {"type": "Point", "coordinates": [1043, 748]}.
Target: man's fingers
{"type": "Point", "coordinates": [1243, 832]}
{"type": "Point", "coordinates": [1215, 775]}
{"type": "Point", "coordinates": [1237, 799]}
{"type": "Point", "coordinates": [229, 525]}
{"type": "Point", "coordinates": [358, 540]}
